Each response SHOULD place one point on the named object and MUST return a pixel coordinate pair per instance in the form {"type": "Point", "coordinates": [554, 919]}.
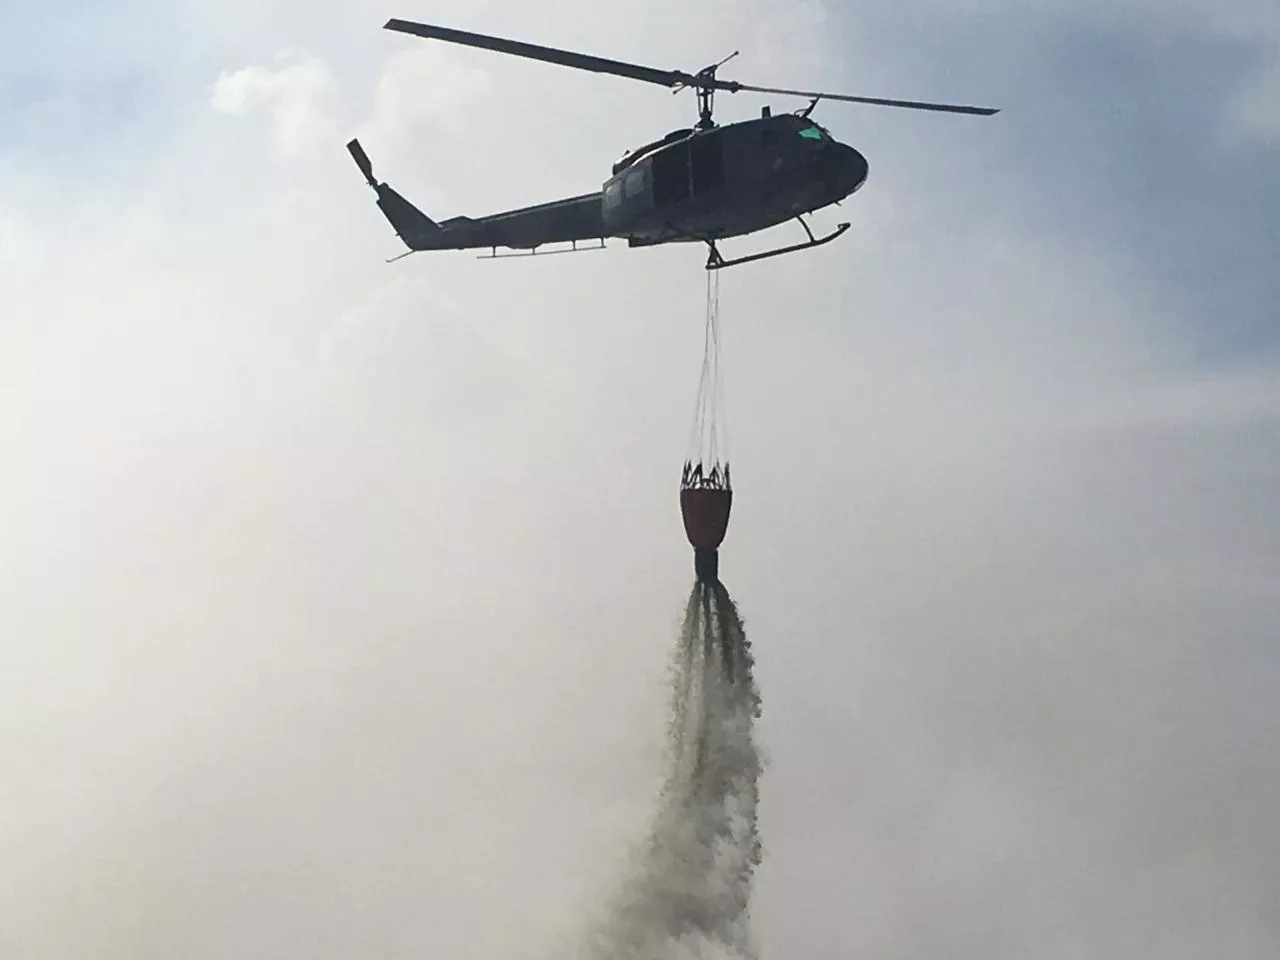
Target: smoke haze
{"type": "Point", "coordinates": [336, 597]}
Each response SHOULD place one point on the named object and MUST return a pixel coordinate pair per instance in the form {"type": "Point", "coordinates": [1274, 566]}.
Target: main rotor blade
{"type": "Point", "coordinates": [566, 58]}
{"type": "Point", "coordinates": [734, 87]}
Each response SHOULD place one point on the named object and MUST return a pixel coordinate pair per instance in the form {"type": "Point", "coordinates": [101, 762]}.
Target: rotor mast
{"type": "Point", "coordinates": [705, 85]}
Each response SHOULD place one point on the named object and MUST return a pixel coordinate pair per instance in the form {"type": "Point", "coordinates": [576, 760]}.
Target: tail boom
{"type": "Point", "coordinates": [560, 221]}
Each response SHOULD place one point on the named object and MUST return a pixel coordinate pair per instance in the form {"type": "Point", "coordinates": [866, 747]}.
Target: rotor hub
{"type": "Point", "coordinates": [705, 85]}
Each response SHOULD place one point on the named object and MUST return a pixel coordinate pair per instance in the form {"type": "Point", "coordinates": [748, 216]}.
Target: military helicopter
{"type": "Point", "coordinates": [704, 183]}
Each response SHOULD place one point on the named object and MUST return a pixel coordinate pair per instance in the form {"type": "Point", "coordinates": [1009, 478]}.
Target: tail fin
{"type": "Point", "coordinates": [415, 228]}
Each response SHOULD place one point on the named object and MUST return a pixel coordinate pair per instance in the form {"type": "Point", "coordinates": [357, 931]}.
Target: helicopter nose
{"type": "Point", "coordinates": [852, 168]}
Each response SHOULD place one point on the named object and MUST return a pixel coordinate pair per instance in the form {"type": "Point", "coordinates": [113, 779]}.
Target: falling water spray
{"type": "Point", "coordinates": [689, 897]}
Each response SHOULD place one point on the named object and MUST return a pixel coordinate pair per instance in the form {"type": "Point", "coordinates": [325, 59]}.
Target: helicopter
{"type": "Point", "coordinates": [703, 183]}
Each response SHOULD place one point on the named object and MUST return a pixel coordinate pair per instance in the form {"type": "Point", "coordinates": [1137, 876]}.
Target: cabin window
{"type": "Point", "coordinates": [634, 182]}
{"type": "Point", "coordinates": [613, 193]}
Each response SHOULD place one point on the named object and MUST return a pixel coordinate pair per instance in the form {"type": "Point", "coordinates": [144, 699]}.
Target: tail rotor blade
{"type": "Point", "coordinates": [362, 161]}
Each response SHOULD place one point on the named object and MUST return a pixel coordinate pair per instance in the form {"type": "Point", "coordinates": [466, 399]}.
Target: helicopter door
{"type": "Point", "coordinates": [671, 175]}
{"type": "Point", "coordinates": [707, 162]}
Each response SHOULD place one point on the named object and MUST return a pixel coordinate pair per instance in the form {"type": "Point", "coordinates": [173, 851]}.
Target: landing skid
{"type": "Point", "coordinates": [717, 262]}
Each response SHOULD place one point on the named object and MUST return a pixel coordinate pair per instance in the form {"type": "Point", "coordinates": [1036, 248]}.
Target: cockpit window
{"type": "Point", "coordinates": [813, 133]}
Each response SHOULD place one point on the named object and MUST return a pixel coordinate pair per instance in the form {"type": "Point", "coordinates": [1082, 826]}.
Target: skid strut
{"type": "Point", "coordinates": [716, 262]}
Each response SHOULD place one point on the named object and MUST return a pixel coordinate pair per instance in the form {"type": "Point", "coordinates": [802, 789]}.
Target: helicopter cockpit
{"type": "Point", "coordinates": [813, 132]}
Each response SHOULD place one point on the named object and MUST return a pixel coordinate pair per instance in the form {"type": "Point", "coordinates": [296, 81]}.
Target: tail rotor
{"type": "Point", "coordinates": [362, 161]}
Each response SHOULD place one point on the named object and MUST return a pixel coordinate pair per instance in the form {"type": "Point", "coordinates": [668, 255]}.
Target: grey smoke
{"type": "Point", "coordinates": [689, 892]}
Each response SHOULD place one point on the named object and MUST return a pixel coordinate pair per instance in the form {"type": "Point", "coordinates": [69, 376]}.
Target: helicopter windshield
{"type": "Point", "coordinates": [811, 131]}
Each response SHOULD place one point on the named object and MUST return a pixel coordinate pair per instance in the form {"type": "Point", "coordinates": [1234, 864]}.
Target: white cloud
{"type": "Point", "coordinates": [298, 95]}
{"type": "Point", "coordinates": [424, 82]}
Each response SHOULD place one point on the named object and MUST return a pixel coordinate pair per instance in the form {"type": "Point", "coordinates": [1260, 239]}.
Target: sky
{"type": "Point", "coordinates": [337, 595]}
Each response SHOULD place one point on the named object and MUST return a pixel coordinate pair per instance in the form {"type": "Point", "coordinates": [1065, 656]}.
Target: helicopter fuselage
{"type": "Point", "coordinates": [728, 181]}
{"type": "Point", "coordinates": [696, 185]}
